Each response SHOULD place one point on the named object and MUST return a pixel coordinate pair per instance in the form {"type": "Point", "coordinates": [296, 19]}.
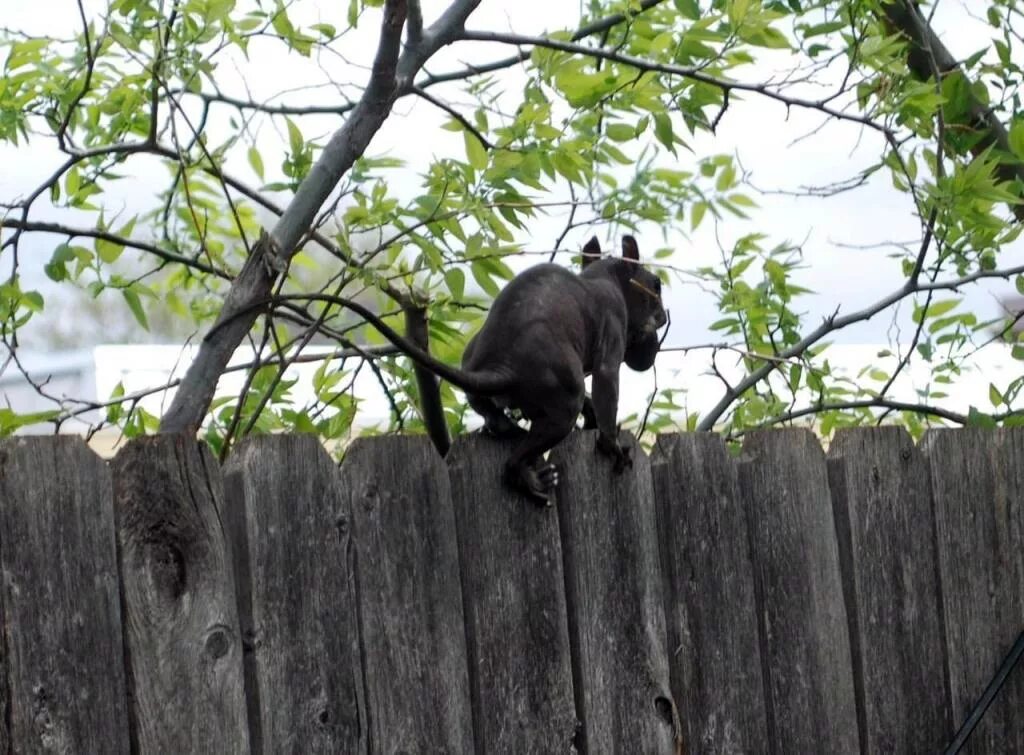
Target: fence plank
{"type": "Point", "coordinates": [715, 658]}
{"type": "Point", "coordinates": [978, 487]}
{"type": "Point", "coordinates": [409, 593]}
{"type": "Point", "coordinates": [881, 495]}
{"type": "Point", "coordinates": [616, 616]}
{"type": "Point", "coordinates": [184, 650]}
{"type": "Point", "coordinates": [805, 646]}
{"type": "Point", "coordinates": [514, 599]}
{"type": "Point", "coordinates": [61, 612]}
{"type": "Point", "coordinates": [296, 598]}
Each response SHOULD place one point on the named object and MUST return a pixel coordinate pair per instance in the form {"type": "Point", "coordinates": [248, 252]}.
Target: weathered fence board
{"type": "Point", "coordinates": [786, 604]}
{"type": "Point", "coordinates": [613, 592]}
{"type": "Point", "coordinates": [805, 647]}
{"type": "Point", "coordinates": [178, 591]}
{"type": "Point", "coordinates": [62, 659]}
{"type": "Point", "coordinates": [881, 494]}
{"type": "Point", "coordinates": [715, 658]}
{"type": "Point", "coordinates": [978, 493]}
{"type": "Point", "coordinates": [514, 598]}
{"type": "Point", "coordinates": [297, 607]}
{"type": "Point", "coordinates": [410, 598]}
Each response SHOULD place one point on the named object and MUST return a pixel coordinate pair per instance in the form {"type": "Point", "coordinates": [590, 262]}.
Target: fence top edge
{"type": "Point", "coordinates": [848, 438]}
{"type": "Point", "coordinates": [34, 443]}
{"type": "Point", "coordinates": [252, 447]}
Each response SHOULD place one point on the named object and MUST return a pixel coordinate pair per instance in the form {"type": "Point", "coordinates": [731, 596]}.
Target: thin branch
{"type": "Point", "coordinates": [255, 280]}
{"type": "Point", "coordinates": [834, 323]}
{"type": "Point", "coordinates": [90, 64]}
{"type": "Point", "coordinates": [93, 233]}
{"type": "Point", "coordinates": [873, 403]}
{"type": "Point", "coordinates": [688, 72]}
{"type": "Point", "coordinates": [463, 121]}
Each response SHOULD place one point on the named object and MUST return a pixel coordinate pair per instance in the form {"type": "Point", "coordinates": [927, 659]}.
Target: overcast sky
{"type": "Point", "coordinates": [763, 134]}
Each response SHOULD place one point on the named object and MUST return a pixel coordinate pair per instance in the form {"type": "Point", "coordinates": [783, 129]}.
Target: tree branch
{"type": "Point", "coordinates": [834, 323]}
{"type": "Point", "coordinates": [926, 47]}
{"type": "Point", "coordinates": [93, 233]}
{"type": "Point", "coordinates": [255, 280]}
{"type": "Point", "coordinates": [873, 403]}
{"type": "Point", "coordinates": [689, 72]}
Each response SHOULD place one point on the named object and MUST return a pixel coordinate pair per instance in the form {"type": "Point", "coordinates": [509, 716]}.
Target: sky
{"type": "Point", "coordinates": [781, 149]}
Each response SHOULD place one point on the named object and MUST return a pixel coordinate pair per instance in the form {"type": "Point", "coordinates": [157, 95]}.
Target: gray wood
{"type": "Point", "coordinates": [715, 658]}
{"type": "Point", "coordinates": [978, 490]}
{"type": "Point", "coordinates": [182, 639]}
{"type": "Point", "coordinates": [881, 495]}
{"type": "Point", "coordinates": [516, 626]}
{"type": "Point", "coordinates": [63, 657]}
{"type": "Point", "coordinates": [290, 531]}
{"type": "Point", "coordinates": [410, 597]}
{"type": "Point", "coordinates": [613, 590]}
{"type": "Point", "coordinates": [805, 646]}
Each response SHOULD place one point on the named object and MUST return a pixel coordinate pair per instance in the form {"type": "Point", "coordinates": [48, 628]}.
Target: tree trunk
{"type": "Point", "coordinates": [928, 57]}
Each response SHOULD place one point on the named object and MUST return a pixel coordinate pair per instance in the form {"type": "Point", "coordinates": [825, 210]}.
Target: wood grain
{"type": "Point", "coordinates": [517, 630]}
{"type": "Point", "coordinates": [412, 633]}
{"type": "Point", "coordinates": [63, 651]}
{"type": "Point", "coordinates": [715, 656]}
{"type": "Point", "coordinates": [881, 493]}
{"type": "Point", "coordinates": [613, 591]}
{"type": "Point", "coordinates": [290, 530]}
{"type": "Point", "coordinates": [978, 489]}
{"type": "Point", "coordinates": [178, 591]}
{"type": "Point", "coordinates": [805, 645]}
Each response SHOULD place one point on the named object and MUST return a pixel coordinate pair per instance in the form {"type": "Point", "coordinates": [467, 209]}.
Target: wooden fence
{"type": "Point", "coordinates": [787, 601]}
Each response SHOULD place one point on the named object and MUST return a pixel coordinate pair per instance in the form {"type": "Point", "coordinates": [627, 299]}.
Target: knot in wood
{"type": "Point", "coordinates": [342, 525]}
{"type": "Point", "coordinates": [218, 643]}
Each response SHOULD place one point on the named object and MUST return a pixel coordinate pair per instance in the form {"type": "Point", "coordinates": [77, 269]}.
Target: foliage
{"type": "Point", "coordinates": [593, 126]}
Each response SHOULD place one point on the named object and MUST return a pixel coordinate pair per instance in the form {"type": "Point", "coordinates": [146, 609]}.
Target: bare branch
{"type": "Point", "coordinates": [414, 31]}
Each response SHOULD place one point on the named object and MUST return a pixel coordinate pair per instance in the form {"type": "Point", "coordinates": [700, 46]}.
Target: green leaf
{"type": "Point", "coordinates": [768, 37]}
{"type": "Point", "coordinates": [976, 418]}
{"type": "Point", "coordinates": [483, 278]}
{"type": "Point", "coordinates": [32, 300]}
{"type": "Point", "coordinates": [688, 9]}
{"type": "Point", "coordinates": [256, 161]}
{"type": "Point", "coordinates": [738, 11]}
{"type": "Point", "coordinates": [794, 377]}
{"type": "Point", "coordinates": [697, 214]}
{"type": "Point", "coordinates": [108, 251]}
{"type": "Point", "coordinates": [935, 309]}
{"type": "Point", "coordinates": [994, 395]}
{"type": "Point", "coordinates": [456, 281]}
{"type": "Point", "coordinates": [10, 420]}
{"type": "Point", "coordinates": [726, 178]}
{"type": "Point", "coordinates": [1017, 138]}
{"type": "Point", "coordinates": [115, 411]}
{"type": "Point", "coordinates": [476, 153]}
{"type": "Point", "coordinates": [135, 305]}
{"type": "Point", "coordinates": [620, 132]}
{"type": "Point", "coordinates": [295, 140]}
{"type": "Point", "coordinates": [72, 181]}
{"type": "Point", "coordinates": [663, 131]}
